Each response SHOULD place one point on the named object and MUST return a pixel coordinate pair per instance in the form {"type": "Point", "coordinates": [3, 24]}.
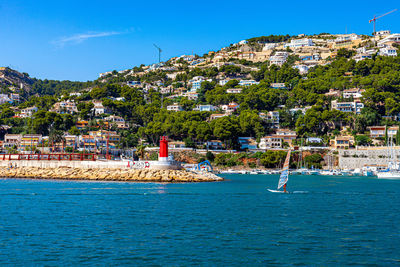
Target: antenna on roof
{"type": "Point", "coordinates": [159, 53]}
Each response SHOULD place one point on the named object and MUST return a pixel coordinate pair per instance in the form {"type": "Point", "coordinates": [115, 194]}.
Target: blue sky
{"type": "Point", "coordinates": [76, 40]}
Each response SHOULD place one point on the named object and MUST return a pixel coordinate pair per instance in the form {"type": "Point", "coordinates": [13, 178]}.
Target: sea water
{"type": "Point", "coordinates": [327, 221]}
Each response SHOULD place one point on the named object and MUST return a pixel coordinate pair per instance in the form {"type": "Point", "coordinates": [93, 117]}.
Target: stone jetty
{"type": "Point", "coordinates": [102, 174]}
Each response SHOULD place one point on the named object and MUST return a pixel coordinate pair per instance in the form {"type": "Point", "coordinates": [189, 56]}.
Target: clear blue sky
{"type": "Point", "coordinates": [76, 40]}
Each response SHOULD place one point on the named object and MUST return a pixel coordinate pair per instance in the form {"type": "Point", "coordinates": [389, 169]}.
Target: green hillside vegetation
{"type": "Point", "coordinates": [380, 77]}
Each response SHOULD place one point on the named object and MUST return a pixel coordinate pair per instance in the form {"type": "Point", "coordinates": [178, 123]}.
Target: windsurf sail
{"type": "Point", "coordinates": [285, 172]}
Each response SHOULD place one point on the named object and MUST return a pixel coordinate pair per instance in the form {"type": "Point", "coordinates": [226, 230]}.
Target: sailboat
{"type": "Point", "coordinates": [283, 179]}
{"type": "Point", "coordinates": [393, 170]}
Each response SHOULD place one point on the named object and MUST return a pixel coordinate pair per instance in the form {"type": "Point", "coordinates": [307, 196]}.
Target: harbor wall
{"type": "Point", "coordinates": [360, 157]}
{"type": "Point", "coordinates": [98, 164]}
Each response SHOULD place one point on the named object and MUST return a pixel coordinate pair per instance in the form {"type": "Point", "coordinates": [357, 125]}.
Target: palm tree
{"type": "Point", "coordinates": [56, 136]}
{"type": "Point", "coordinates": [140, 151]}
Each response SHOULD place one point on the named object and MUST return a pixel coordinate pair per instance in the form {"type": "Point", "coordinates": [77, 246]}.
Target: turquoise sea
{"type": "Point", "coordinates": [330, 221]}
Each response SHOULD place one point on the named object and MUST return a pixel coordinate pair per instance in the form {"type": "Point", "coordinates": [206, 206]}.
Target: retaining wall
{"type": "Point", "coordinates": [358, 158]}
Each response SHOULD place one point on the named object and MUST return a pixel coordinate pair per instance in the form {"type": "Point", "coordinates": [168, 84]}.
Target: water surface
{"type": "Point", "coordinates": [331, 221]}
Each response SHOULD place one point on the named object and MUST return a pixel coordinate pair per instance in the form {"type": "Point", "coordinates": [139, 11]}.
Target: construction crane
{"type": "Point", "coordinates": [375, 18]}
{"type": "Point", "coordinates": [159, 53]}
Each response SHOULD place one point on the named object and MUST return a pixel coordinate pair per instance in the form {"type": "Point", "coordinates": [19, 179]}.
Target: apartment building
{"type": "Point", "coordinates": [342, 142]}
{"type": "Point", "coordinates": [11, 140]}
{"type": "Point", "coordinates": [81, 124]}
{"type": "Point", "coordinates": [28, 141]}
{"type": "Point", "coordinates": [71, 141]}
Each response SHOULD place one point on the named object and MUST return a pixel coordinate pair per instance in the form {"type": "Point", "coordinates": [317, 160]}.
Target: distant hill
{"type": "Point", "coordinates": [10, 77]}
{"type": "Point", "coordinates": [14, 81]}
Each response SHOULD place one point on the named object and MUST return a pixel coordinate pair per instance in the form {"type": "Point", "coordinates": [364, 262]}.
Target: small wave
{"type": "Point", "coordinates": [301, 192]}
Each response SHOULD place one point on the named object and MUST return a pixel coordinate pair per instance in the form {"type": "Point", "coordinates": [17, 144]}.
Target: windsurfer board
{"type": "Point", "coordinates": [276, 191]}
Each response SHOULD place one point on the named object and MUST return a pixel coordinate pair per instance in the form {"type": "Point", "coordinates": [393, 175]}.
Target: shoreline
{"type": "Point", "coordinates": [108, 175]}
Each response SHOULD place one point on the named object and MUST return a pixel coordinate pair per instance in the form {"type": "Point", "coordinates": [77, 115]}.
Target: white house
{"type": "Point", "coordinates": [197, 81]}
{"type": "Point", "coordinates": [230, 108]}
{"type": "Point", "coordinates": [99, 108]}
{"type": "Point", "coordinates": [205, 108]}
{"type": "Point", "coordinates": [65, 107]}
{"type": "Point", "coordinates": [362, 56]}
{"type": "Point", "coordinates": [393, 38]}
{"type": "Point", "coordinates": [347, 37]}
{"type": "Point", "coordinates": [382, 33]}
{"type": "Point", "coordinates": [11, 140]}
{"type": "Point", "coordinates": [303, 110]}
{"type": "Point", "coordinates": [191, 95]}
{"type": "Point", "coordinates": [223, 82]}
{"type": "Point", "coordinates": [269, 46]}
{"type": "Point", "coordinates": [279, 58]}
{"type": "Point", "coordinates": [392, 131]}
{"type": "Point", "coordinates": [5, 99]}
{"type": "Point", "coordinates": [355, 93]}
{"type": "Point", "coordinates": [294, 43]}
{"type": "Point", "coordinates": [278, 85]}
{"type": "Point", "coordinates": [247, 82]}
{"type": "Point", "coordinates": [117, 120]}
{"type": "Point", "coordinates": [75, 94]}
{"type": "Point", "coordinates": [355, 106]}
{"type": "Point", "coordinates": [303, 69]}
{"type": "Point", "coordinates": [234, 90]}
{"type": "Point", "coordinates": [28, 112]}
{"type": "Point", "coordinates": [217, 116]}
{"type": "Point", "coordinates": [270, 141]}
{"type": "Point", "coordinates": [388, 51]}
{"type": "Point", "coordinates": [175, 107]}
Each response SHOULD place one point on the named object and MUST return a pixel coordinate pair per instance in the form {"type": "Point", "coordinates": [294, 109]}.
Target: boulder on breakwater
{"type": "Point", "coordinates": [133, 175]}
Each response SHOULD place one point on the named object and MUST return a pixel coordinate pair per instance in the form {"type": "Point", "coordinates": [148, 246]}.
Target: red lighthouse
{"type": "Point", "coordinates": [163, 149]}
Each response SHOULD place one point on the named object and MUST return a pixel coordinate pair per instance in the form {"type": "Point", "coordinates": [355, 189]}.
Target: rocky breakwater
{"type": "Point", "coordinates": [100, 174]}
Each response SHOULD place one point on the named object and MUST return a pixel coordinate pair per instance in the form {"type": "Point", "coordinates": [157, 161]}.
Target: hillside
{"type": "Point", "coordinates": [13, 78]}
{"type": "Point", "coordinates": [265, 92]}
